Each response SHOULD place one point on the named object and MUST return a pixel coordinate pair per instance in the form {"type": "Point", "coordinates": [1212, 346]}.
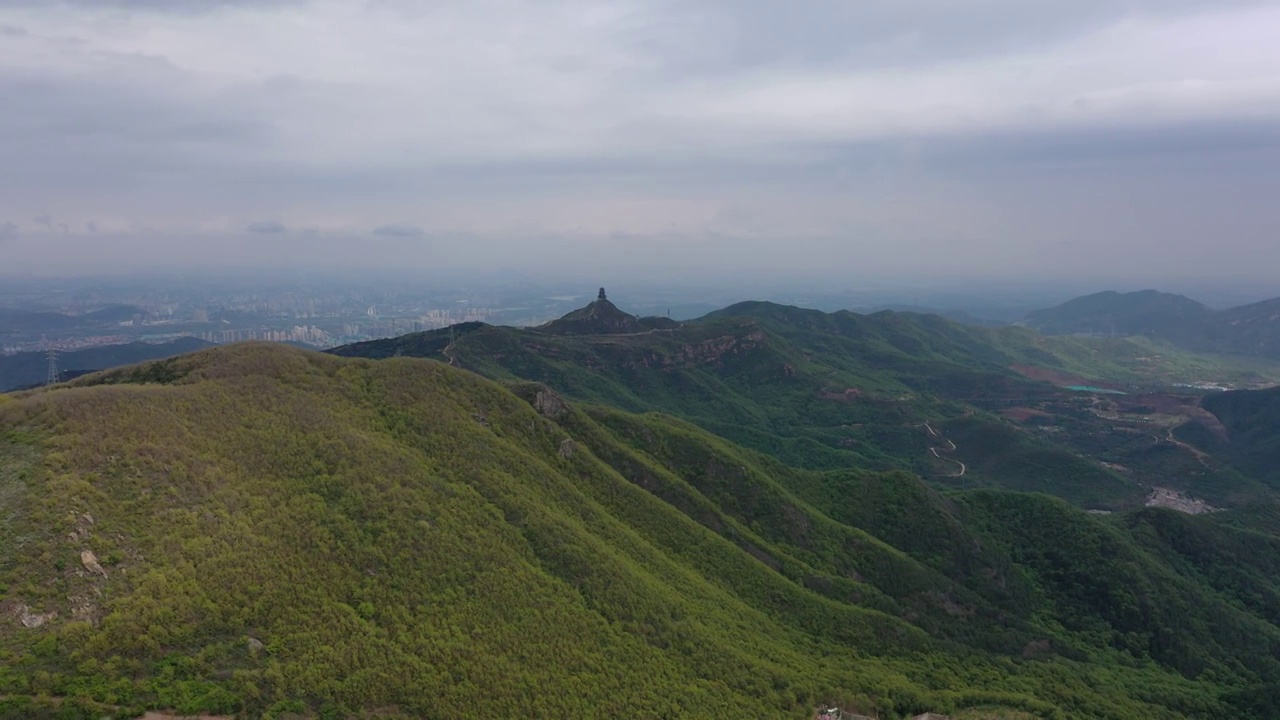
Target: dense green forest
{"type": "Point", "coordinates": [266, 531]}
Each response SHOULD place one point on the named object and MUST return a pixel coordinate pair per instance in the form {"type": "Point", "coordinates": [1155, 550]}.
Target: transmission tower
{"type": "Point", "coordinates": [53, 368]}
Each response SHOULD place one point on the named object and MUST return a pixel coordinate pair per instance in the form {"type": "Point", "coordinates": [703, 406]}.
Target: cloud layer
{"type": "Point", "coordinates": [1003, 136]}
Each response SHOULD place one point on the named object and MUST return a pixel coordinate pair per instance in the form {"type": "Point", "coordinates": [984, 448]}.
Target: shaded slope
{"type": "Point", "coordinates": [17, 321]}
{"type": "Point", "coordinates": [1252, 329]}
{"type": "Point", "coordinates": [28, 369]}
{"type": "Point", "coordinates": [1252, 422]}
{"type": "Point", "coordinates": [1145, 312]}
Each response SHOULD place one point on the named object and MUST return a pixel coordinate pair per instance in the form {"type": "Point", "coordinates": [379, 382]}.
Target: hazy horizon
{"type": "Point", "coordinates": [1106, 143]}
{"type": "Point", "coordinates": [1005, 299]}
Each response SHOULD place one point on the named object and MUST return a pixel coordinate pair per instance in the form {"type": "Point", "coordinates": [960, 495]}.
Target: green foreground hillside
{"type": "Point", "coordinates": [262, 531]}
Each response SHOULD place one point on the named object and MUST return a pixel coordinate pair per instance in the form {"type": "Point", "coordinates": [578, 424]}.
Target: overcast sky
{"type": "Point", "coordinates": [1125, 138]}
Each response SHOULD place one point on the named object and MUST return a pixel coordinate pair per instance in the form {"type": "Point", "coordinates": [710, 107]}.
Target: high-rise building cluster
{"type": "Point", "coordinates": [309, 334]}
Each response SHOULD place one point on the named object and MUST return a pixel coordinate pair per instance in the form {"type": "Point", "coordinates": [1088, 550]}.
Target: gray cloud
{"type": "Point", "coordinates": [399, 230]}
{"type": "Point", "coordinates": [168, 6]}
{"type": "Point", "coordinates": [267, 227]}
{"type": "Point", "coordinates": [8, 231]}
{"type": "Point", "coordinates": [880, 132]}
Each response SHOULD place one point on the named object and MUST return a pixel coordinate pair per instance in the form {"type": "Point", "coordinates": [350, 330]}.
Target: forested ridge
{"type": "Point", "coordinates": [266, 531]}
{"type": "Point", "coordinates": [838, 390]}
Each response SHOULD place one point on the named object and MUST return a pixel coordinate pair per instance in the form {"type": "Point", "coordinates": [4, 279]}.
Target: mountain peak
{"type": "Point", "coordinates": [602, 317]}
{"type": "Point", "coordinates": [1143, 312]}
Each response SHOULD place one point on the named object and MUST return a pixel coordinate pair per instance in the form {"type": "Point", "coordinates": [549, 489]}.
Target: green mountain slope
{"type": "Point", "coordinates": [262, 529]}
{"type": "Point", "coordinates": [839, 390]}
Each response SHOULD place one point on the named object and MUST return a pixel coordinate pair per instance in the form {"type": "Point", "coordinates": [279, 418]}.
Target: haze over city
{"type": "Point", "coordinates": [1131, 140]}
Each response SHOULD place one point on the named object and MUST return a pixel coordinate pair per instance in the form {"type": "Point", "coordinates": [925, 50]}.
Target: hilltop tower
{"type": "Point", "coordinates": [52, 378]}
{"type": "Point", "coordinates": [601, 317]}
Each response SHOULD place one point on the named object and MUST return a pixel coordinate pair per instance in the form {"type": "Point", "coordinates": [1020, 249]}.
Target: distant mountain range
{"type": "Point", "coordinates": [29, 369]}
{"type": "Point", "coordinates": [1252, 329]}
{"type": "Point", "coordinates": [14, 321]}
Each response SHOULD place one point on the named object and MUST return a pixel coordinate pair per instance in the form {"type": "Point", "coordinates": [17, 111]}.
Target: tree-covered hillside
{"type": "Point", "coordinates": [837, 390]}
{"type": "Point", "coordinates": [262, 530]}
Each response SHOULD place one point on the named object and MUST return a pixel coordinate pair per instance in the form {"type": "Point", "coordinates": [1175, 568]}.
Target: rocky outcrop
{"type": "Point", "coordinates": [549, 404]}
{"type": "Point", "coordinates": [90, 562]}
{"type": "Point", "coordinates": [30, 618]}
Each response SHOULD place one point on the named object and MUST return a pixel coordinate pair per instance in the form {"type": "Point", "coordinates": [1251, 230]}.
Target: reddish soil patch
{"type": "Point", "coordinates": [1023, 414]}
{"type": "Point", "coordinates": [846, 395]}
{"type": "Point", "coordinates": [1154, 403]}
{"type": "Point", "coordinates": [1187, 406]}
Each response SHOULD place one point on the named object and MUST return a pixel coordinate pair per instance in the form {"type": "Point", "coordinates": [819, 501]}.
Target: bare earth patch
{"type": "Point", "coordinates": [1174, 500]}
{"type": "Point", "coordinates": [1023, 414]}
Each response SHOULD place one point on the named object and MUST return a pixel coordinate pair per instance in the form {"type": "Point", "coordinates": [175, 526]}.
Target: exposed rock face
{"type": "Point", "coordinates": [90, 562]}
{"type": "Point", "coordinates": [83, 523]}
{"type": "Point", "coordinates": [567, 449]}
{"type": "Point", "coordinates": [31, 619]}
{"type": "Point", "coordinates": [549, 404]}
{"type": "Point", "coordinates": [84, 607]}
{"type": "Point", "coordinates": [846, 395]}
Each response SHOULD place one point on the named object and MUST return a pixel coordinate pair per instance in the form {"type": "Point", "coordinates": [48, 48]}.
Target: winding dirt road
{"type": "Point", "coordinates": [952, 448]}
